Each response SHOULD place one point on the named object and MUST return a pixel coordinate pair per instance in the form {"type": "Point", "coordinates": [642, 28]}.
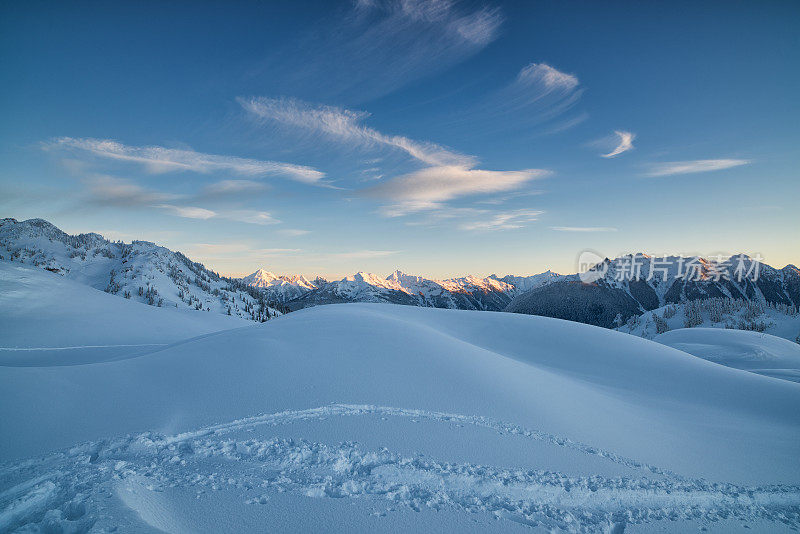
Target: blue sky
{"type": "Point", "coordinates": [441, 138]}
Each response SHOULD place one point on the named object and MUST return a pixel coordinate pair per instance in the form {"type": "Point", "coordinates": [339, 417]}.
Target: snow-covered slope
{"type": "Point", "coordinates": [753, 351]}
{"type": "Point", "coordinates": [735, 314]}
{"type": "Point", "coordinates": [374, 417]}
{"type": "Point", "coordinates": [139, 270]}
{"type": "Point", "coordinates": [45, 319]}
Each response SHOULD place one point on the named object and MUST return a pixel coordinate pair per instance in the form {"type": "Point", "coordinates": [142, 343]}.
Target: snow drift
{"type": "Point", "coordinates": [365, 417]}
{"type": "Point", "coordinates": [752, 351]}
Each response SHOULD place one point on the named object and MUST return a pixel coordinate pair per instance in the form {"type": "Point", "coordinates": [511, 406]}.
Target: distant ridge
{"type": "Point", "coordinates": [140, 270]}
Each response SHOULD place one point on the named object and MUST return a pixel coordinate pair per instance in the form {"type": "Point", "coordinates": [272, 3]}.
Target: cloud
{"type": "Point", "coordinates": [111, 191]}
{"type": "Point", "coordinates": [159, 160]}
{"type": "Point", "coordinates": [479, 28]}
{"type": "Point", "coordinates": [625, 144]}
{"type": "Point", "coordinates": [512, 196]}
{"type": "Point", "coordinates": [448, 174]}
{"type": "Point", "coordinates": [381, 46]}
{"type": "Point", "coordinates": [345, 126]}
{"type": "Point", "coordinates": [540, 89]}
{"type": "Point", "coordinates": [700, 165]}
{"type": "Point", "coordinates": [546, 77]}
{"type": "Point", "coordinates": [568, 124]}
{"type": "Point", "coordinates": [428, 188]}
{"type": "Point", "coordinates": [250, 216]}
{"type": "Point", "coordinates": [188, 212]}
{"type": "Point", "coordinates": [539, 93]}
{"type": "Point", "coordinates": [294, 232]}
{"type": "Point", "coordinates": [244, 216]}
{"type": "Point", "coordinates": [508, 220]}
{"type": "Point", "coordinates": [583, 228]}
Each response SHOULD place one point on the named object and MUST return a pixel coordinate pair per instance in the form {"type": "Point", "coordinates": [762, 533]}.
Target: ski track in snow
{"type": "Point", "coordinates": [67, 489]}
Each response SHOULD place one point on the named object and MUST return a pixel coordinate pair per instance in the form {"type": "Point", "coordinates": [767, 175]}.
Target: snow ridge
{"type": "Point", "coordinates": [139, 270]}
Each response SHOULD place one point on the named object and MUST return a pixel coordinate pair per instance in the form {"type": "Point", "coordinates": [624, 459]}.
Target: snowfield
{"type": "Point", "coordinates": [753, 351]}
{"type": "Point", "coordinates": [40, 324]}
{"type": "Point", "coordinates": [378, 417]}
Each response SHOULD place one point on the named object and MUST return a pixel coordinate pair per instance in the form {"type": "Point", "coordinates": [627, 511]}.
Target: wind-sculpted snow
{"type": "Point", "coordinates": [46, 319]}
{"type": "Point", "coordinates": [380, 418]}
{"type": "Point", "coordinates": [752, 351]}
{"type": "Point", "coordinates": [71, 489]}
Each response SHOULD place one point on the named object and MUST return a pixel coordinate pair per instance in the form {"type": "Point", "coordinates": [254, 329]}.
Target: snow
{"type": "Point", "coordinates": [775, 322]}
{"type": "Point", "coordinates": [39, 324]}
{"type": "Point", "coordinates": [139, 270]}
{"type": "Point", "coordinates": [752, 351]}
{"type": "Point", "coordinates": [280, 287]}
{"type": "Point", "coordinates": [377, 417]}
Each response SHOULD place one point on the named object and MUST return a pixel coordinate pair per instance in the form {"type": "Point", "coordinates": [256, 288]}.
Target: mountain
{"type": "Point", "coordinates": [139, 270]}
{"type": "Point", "coordinates": [465, 293]}
{"type": "Point", "coordinates": [526, 283]}
{"type": "Point", "coordinates": [612, 291]}
{"type": "Point", "coordinates": [280, 288]}
{"type": "Point", "coordinates": [382, 418]}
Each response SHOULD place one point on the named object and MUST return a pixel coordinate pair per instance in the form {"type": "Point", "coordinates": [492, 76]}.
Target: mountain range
{"type": "Point", "coordinates": [612, 291]}
{"type": "Point", "coordinates": [607, 294]}
{"type": "Point", "coordinates": [466, 293]}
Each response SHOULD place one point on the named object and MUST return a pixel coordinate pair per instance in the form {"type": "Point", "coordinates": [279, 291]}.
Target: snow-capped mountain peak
{"type": "Point", "coordinates": [260, 278]}
{"type": "Point", "coordinates": [279, 288]}
{"type": "Point", "coordinates": [139, 270]}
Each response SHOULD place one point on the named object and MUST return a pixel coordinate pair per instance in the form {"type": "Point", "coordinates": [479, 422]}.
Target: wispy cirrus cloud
{"type": "Point", "coordinates": [539, 93]}
{"type": "Point", "coordinates": [478, 219]}
{"type": "Point", "coordinates": [687, 167]}
{"type": "Point", "coordinates": [448, 174]}
{"type": "Point", "coordinates": [502, 199]}
{"type": "Point", "coordinates": [546, 78]}
{"type": "Point", "coordinates": [344, 125]}
{"type": "Point", "coordinates": [262, 218]}
{"type": "Point", "coordinates": [507, 220]}
{"type": "Point", "coordinates": [625, 143]}
{"type": "Point", "coordinates": [382, 45]}
{"type": "Point", "coordinates": [294, 232]}
{"type": "Point", "coordinates": [250, 216]}
{"type": "Point", "coordinates": [583, 228]}
{"type": "Point", "coordinates": [158, 160]}
{"type": "Point", "coordinates": [542, 91]}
